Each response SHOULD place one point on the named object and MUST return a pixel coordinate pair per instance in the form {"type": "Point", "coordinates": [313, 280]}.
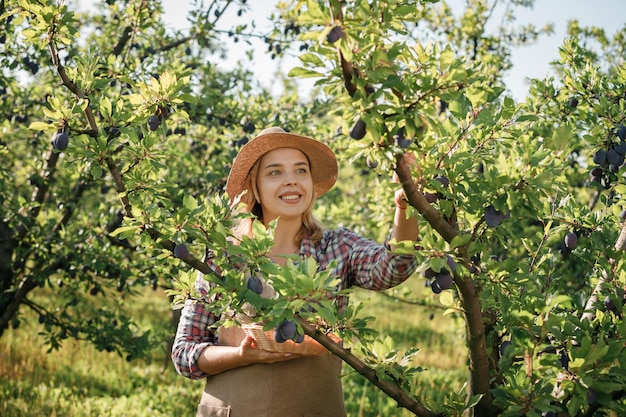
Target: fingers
{"type": "Point", "coordinates": [410, 159]}
{"type": "Point", "coordinates": [248, 342]}
{"type": "Point", "coordinates": [400, 199]}
{"type": "Point", "coordinates": [251, 350]}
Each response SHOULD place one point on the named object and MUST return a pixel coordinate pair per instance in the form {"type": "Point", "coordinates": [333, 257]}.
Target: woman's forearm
{"type": "Point", "coordinates": [217, 359]}
{"type": "Point", "coordinates": [404, 227]}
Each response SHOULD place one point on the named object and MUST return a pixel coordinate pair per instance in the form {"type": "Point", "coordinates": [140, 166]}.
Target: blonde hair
{"type": "Point", "coordinates": [251, 204]}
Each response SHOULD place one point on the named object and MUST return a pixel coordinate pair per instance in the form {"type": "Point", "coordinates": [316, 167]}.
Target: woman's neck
{"type": "Point", "coordinates": [285, 239]}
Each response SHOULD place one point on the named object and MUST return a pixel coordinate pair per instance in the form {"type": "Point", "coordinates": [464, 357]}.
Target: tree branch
{"type": "Point", "coordinates": [417, 199]}
{"type": "Point", "coordinates": [403, 399]}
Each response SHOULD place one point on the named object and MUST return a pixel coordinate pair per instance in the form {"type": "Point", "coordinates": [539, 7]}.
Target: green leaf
{"type": "Point", "coordinates": [96, 172]}
{"type": "Point", "coordinates": [562, 138]}
{"type": "Point", "coordinates": [41, 126]}
{"type": "Point", "coordinates": [476, 95]}
{"type": "Point", "coordinates": [596, 353]}
{"type": "Point", "coordinates": [460, 240]}
{"type": "Point", "coordinates": [189, 202]}
{"type": "Point", "coordinates": [311, 59]}
{"type": "Point", "coordinates": [106, 108]}
{"type": "Point", "coordinates": [446, 299]}
{"type": "Point", "coordinates": [124, 231]}
{"type": "Point", "coordinates": [304, 73]}
{"type": "Point", "coordinates": [508, 108]}
{"type": "Point", "coordinates": [528, 118]}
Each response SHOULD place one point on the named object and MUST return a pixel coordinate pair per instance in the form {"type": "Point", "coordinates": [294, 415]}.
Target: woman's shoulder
{"type": "Point", "coordinates": [339, 234]}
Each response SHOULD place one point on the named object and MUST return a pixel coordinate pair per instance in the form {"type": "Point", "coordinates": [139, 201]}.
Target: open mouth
{"type": "Point", "coordinates": [290, 197]}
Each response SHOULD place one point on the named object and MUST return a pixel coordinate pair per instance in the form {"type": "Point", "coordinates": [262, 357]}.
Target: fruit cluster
{"type": "Point", "coordinates": [287, 329]}
{"type": "Point", "coordinates": [609, 159]}
{"type": "Point", "coordinates": [442, 279]}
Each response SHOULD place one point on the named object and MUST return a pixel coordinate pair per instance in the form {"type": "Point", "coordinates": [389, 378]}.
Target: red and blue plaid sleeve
{"type": "Point", "coordinates": [194, 334]}
{"type": "Point", "coordinates": [372, 265]}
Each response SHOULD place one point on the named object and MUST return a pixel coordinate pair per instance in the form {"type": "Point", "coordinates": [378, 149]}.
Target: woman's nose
{"type": "Point", "coordinates": [290, 179]}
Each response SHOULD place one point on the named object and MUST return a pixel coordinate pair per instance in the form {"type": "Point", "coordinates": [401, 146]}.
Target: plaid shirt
{"type": "Point", "coordinates": [360, 262]}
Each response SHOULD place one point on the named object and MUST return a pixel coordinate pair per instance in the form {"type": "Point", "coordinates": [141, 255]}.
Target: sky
{"type": "Point", "coordinates": [528, 62]}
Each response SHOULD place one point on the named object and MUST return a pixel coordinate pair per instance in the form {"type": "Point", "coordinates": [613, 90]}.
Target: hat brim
{"type": "Point", "coordinates": [322, 159]}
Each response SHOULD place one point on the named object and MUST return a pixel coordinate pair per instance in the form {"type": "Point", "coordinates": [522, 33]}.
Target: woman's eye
{"type": "Point", "coordinates": [275, 172]}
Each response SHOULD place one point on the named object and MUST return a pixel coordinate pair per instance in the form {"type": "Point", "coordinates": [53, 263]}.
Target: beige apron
{"type": "Point", "coordinates": [304, 387]}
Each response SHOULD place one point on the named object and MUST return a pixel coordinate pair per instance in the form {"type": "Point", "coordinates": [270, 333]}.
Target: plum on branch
{"type": "Point", "coordinates": [181, 251]}
{"type": "Point", "coordinates": [255, 284]}
{"type": "Point", "coordinates": [358, 129]}
{"type": "Point", "coordinates": [571, 239]}
{"type": "Point", "coordinates": [60, 140]}
{"type": "Point", "coordinates": [334, 35]}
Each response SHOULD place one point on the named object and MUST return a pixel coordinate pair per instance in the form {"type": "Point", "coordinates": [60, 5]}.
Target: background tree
{"type": "Point", "coordinates": [119, 151]}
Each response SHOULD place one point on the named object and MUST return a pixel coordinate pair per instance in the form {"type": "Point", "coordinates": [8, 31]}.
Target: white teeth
{"type": "Point", "coordinates": [290, 197]}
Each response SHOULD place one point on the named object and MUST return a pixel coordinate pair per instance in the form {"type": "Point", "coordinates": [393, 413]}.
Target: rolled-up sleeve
{"type": "Point", "coordinates": [193, 335]}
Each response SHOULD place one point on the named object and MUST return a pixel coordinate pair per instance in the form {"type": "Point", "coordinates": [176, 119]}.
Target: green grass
{"type": "Point", "coordinates": [78, 380]}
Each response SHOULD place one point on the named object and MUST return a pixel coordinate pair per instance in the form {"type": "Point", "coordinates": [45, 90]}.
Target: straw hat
{"type": "Point", "coordinates": [321, 157]}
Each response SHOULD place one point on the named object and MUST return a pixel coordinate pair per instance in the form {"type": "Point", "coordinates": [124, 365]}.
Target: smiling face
{"type": "Point", "coordinates": [284, 184]}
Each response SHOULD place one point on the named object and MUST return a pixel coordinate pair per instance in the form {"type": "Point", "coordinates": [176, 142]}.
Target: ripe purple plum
{"type": "Point", "coordinates": [451, 263]}
{"type": "Point", "coordinates": [358, 130]}
{"type": "Point", "coordinates": [571, 239]}
{"type": "Point", "coordinates": [431, 197]}
{"type": "Point", "coordinates": [494, 217]}
{"type": "Point", "coordinates": [255, 284]}
{"type": "Point", "coordinates": [443, 280]}
{"type": "Point", "coordinates": [443, 180]}
{"type": "Point", "coordinates": [181, 251]}
{"type": "Point", "coordinates": [60, 140]}
{"type": "Point", "coordinates": [286, 330]}
{"type": "Point", "coordinates": [429, 273]}
{"type": "Point", "coordinates": [609, 304]}
{"type": "Point", "coordinates": [153, 122]}
{"type": "Point", "coordinates": [400, 138]}
{"type": "Point", "coordinates": [334, 35]}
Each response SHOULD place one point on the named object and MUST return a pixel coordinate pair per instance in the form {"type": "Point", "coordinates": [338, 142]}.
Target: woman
{"type": "Point", "coordinates": [283, 174]}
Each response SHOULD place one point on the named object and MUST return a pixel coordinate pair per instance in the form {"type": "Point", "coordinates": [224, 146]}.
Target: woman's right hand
{"type": "Point", "coordinates": [250, 352]}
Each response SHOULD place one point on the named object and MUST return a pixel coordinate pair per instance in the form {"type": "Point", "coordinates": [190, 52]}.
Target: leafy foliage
{"type": "Point", "coordinates": [152, 127]}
